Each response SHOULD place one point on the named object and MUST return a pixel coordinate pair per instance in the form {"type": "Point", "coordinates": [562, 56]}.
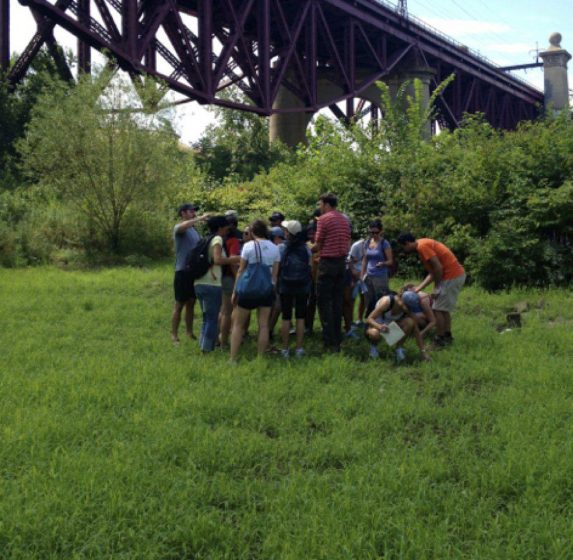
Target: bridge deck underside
{"type": "Point", "coordinates": [202, 47]}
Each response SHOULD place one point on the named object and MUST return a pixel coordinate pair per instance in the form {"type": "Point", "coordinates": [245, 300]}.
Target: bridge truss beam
{"type": "Point", "coordinates": [200, 48]}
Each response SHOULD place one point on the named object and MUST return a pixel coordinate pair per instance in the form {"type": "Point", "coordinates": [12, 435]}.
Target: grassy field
{"type": "Point", "coordinates": [115, 444]}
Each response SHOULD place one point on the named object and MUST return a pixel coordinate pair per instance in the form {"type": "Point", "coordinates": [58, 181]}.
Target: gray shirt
{"type": "Point", "coordinates": [184, 243]}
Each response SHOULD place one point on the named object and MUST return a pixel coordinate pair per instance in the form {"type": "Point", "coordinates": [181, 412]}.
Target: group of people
{"type": "Point", "coordinates": [282, 268]}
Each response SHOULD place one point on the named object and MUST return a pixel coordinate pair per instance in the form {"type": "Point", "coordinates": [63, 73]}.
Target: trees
{"type": "Point", "coordinates": [96, 147]}
{"type": "Point", "coordinates": [237, 146]}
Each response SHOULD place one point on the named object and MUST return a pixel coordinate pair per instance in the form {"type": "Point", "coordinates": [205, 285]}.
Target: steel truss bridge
{"type": "Point", "coordinates": [200, 48]}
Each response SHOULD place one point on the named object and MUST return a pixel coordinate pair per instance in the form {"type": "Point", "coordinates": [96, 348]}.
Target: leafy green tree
{"type": "Point", "coordinates": [101, 151]}
{"type": "Point", "coordinates": [15, 110]}
{"type": "Point", "coordinates": [237, 145]}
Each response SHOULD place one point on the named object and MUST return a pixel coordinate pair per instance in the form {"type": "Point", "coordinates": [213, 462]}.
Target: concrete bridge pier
{"type": "Point", "coordinates": [556, 85]}
{"type": "Point", "coordinates": [289, 128]}
{"type": "Point", "coordinates": [422, 73]}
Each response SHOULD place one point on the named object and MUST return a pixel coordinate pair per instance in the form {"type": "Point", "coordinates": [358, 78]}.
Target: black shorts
{"type": "Point", "coordinates": [183, 286]}
{"type": "Point", "coordinates": [249, 303]}
{"type": "Point", "coordinates": [300, 302]}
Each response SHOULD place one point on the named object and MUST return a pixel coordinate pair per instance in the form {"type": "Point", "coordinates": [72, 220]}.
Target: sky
{"type": "Point", "coordinates": [507, 32]}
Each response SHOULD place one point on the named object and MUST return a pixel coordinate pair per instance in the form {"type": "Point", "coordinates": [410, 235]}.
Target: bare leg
{"type": "Point", "coordinates": [263, 316]}
{"type": "Point", "coordinates": [441, 322]}
{"type": "Point", "coordinates": [189, 311]}
{"type": "Point", "coordinates": [175, 320]}
{"type": "Point", "coordinates": [240, 318]}
{"type": "Point", "coordinates": [299, 332]}
{"type": "Point", "coordinates": [285, 328]}
{"type": "Point", "coordinates": [226, 313]}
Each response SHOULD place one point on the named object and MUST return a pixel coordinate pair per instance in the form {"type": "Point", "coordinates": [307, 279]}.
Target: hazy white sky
{"type": "Point", "coordinates": [507, 32]}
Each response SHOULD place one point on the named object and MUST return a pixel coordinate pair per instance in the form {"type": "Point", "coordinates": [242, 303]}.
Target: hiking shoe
{"type": "Point", "coordinates": [352, 334]}
{"type": "Point", "coordinates": [374, 352]}
{"type": "Point", "coordinates": [400, 355]}
{"type": "Point", "coordinates": [299, 352]}
{"type": "Point", "coordinates": [285, 353]}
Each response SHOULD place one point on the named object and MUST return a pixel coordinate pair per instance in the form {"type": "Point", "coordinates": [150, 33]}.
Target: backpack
{"type": "Point", "coordinates": [295, 269]}
{"type": "Point", "coordinates": [198, 258]}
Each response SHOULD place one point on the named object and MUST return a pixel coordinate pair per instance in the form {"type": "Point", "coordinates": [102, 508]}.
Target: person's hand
{"type": "Point", "coordinates": [383, 328]}
{"type": "Point", "coordinates": [234, 299]}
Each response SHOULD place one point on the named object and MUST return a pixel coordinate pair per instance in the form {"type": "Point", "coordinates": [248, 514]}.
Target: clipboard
{"type": "Point", "coordinates": [394, 334]}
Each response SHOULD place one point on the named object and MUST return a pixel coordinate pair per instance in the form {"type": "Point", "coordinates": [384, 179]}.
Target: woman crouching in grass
{"type": "Point", "coordinates": [420, 305]}
{"type": "Point", "coordinates": [390, 309]}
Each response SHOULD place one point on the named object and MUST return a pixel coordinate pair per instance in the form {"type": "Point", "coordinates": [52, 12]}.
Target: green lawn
{"type": "Point", "coordinates": [115, 444]}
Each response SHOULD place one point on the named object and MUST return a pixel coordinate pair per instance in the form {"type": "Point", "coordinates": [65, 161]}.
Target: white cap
{"type": "Point", "coordinates": [231, 213]}
{"type": "Point", "coordinates": [292, 226]}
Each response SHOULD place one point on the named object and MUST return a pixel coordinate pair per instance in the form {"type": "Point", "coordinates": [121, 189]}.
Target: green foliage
{"type": "Point", "coordinates": [236, 147]}
{"type": "Point", "coordinates": [115, 444]}
{"type": "Point", "coordinates": [15, 112]}
{"type": "Point", "coordinates": [101, 153]}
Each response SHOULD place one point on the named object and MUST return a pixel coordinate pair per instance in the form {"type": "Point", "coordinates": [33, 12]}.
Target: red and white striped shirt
{"type": "Point", "coordinates": [333, 234]}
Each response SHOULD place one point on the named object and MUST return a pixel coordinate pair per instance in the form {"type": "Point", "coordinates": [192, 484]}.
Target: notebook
{"type": "Point", "coordinates": [394, 334]}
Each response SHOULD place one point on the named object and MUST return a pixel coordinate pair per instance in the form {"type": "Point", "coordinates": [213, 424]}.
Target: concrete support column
{"type": "Point", "coordinates": [289, 128]}
{"type": "Point", "coordinates": [422, 73]}
{"type": "Point", "coordinates": [555, 75]}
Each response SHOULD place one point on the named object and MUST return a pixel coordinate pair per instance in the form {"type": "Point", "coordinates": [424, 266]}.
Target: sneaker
{"type": "Point", "coordinates": [374, 352]}
{"type": "Point", "coordinates": [285, 353]}
{"type": "Point", "coordinates": [299, 352]}
{"type": "Point", "coordinates": [400, 355]}
{"type": "Point", "coordinates": [352, 334]}
{"type": "Point", "coordinates": [292, 331]}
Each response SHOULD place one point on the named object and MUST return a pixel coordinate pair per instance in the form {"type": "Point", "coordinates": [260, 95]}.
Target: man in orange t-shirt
{"type": "Point", "coordinates": [447, 274]}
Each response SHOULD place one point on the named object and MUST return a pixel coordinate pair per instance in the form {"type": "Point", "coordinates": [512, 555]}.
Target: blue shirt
{"type": "Point", "coordinates": [374, 256]}
{"type": "Point", "coordinates": [184, 243]}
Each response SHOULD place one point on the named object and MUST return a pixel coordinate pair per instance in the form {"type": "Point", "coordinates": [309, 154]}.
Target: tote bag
{"type": "Point", "coordinates": [256, 283]}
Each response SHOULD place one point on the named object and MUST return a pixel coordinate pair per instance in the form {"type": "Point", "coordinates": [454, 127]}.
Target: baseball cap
{"type": "Point", "coordinates": [410, 299]}
{"type": "Point", "coordinates": [276, 217]}
{"type": "Point", "coordinates": [277, 232]}
{"type": "Point", "coordinates": [187, 206]}
{"type": "Point", "coordinates": [292, 226]}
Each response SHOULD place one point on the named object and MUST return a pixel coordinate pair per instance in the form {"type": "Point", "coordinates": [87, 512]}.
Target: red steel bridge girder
{"type": "Point", "coordinates": [202, 47]}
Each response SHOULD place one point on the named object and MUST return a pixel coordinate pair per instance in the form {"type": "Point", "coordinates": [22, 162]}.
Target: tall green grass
{"type": "Point", "coordinates": [115, 444]}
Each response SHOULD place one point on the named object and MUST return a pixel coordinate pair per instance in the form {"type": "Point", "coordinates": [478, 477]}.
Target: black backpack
{"type": "Point", "coordinates": [295, 268]}
{"type": "Point", "coordinates": [198, 258]}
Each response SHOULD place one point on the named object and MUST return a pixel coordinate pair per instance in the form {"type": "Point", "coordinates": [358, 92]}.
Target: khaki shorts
{"type": "Point", "coordinates": [449, 292]}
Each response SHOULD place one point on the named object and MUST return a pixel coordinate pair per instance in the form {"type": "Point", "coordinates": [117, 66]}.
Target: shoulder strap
{"type": "Point", "coordinates": [258, 252]}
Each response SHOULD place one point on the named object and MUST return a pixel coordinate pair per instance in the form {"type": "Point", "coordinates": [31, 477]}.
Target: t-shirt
{"type": "Point", "coordinates": [376, 255]}
{"type": "Point", "coordinates": [428, 248]}
{"type": "Point", "coordinates": [213, 276]}
{"type": "Point", "coordinates": [184, 243]}
{"type": "Point", "coordinates": [355, 254]}
{"type": "Point", "coordinates": [269, 252]}
{"type": "Point", "coordinates": [333, 232]}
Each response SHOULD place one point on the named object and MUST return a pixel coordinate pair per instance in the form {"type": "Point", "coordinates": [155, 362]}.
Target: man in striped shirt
{"type": "Point", "coordinates": [332, 243]}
